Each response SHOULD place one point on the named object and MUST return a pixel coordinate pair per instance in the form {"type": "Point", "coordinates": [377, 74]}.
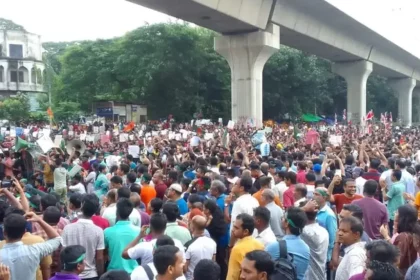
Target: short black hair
{"type": "Point", "coordinates": [247, 222]}
{"type": "Point", "coordinates": [77, 177]}
{"type": "Point", "coordinates": [124, 208]}
{"type": "Point", "coordinates": [158, 222]}
{"type": "Point", "coordinates": [193, 198]}
{"type": "Point", "coordinates": [124, 168]}
{"type": "Point", "coordinates": [370, 187]}
{"type": "Point", "coordinates": [164, 257]}
{"type": "Point", "coordinates": [298, 220]}
{"type": "Point", "coordinates": [383, 271]}
{"type": "Point", "coordinates": [134, 188]}
{"type": "Point", "coordinates": [355, 210]}
{"type": "Point", "coordinates": [123, 193]}
{"type": "Point", "coordinates": [171, 210]}
{"type": "Point", "coordinates": [14, 226]}
{"type": "Point", "coordinates": [115, 275]}
{"type": "Point", "coordinates": [374, 163]}
{"type": "Point", "coordinates": [310, 177]}
{"type": "Point", "coordinates": [156, 204]}
{"type": "Point", "coordinates": [48, 200]}
{"type": "Point", "coordinates": [52, 215]}
{"type": "Point", "coordinates": [116, 180]}
{"type": "Point", "coordinates": [291, 176]}
{"type": "Point", "coordinates": [69, 255]}
{"type": "Point", "coordinates": [401, 163]}
{"type": "Point", "coordinates": [164, 240]}
{"type": "Point", "coordinates": [263, 261]}
{"type": "Point", "coordinates": [207, 269]}
{"type": "Point", "coordinates": [383, 251]}
{"type": "Point", "coordinates": [90, 204]}
{"type": "Point", "coordinates": [131, 177]}
{"type": "Point", "coordinates": [147, 177]}
{"type": "Point", "coordinates": [76, 200]}
{"type": "Point", "coordinates": [246, 183]}
{"type": "Point", "coordinates": [356, 225]}
{"type": "Point", "coordinates": [263, 214]}
{"type": "Point", "coordinates": [397, 174]}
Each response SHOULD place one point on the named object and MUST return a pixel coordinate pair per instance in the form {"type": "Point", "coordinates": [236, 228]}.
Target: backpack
{"type": "Point", "coordinates": [284, 268]}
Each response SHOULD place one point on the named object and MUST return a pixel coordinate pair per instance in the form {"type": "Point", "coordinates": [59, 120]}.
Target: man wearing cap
{"type": "Point", "coordinates": [317, 170]}
{"type": "Point", "coordinates": [174, 194]}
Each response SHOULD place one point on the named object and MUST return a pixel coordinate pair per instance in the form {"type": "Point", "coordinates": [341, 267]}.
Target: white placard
{"type": "Point", "coordinates": [185, 135]}
{"type": "Point", "coordinates": [45, 143]}
{"type": "Point", "coordinates": [57, 140]}
{"type": "Point", "coordinates": [208, 136]}
{"type": "Point", "coordinates": [3, 130]}
{"type": "Point", "coordinates": [155, 133]}
{"type": "Point", "coordinates": [134, 150]}
{"type": "Point", "coordinates": [335, 140]}
{"type": "Point", "coordinates": [195, 141]}
{"type": "Point", "coordinates": [123, 137]}
{"type": "Point", "coordinates": [178, 137]}
{"type": "Point", "coordinates": [46, 131]}
{"type": "Point", "coordinates": [95, 129]}
{"type": "Point", "coordinates": [83, 137]}
{"type": "Point", "coordinates": [131, 137]}
{"type": "Point", "coordinates": [90, 138]}
{"type": "Point", "coordinates": [12, 132]}
{"type": "Point", "coordinates": [171, 135]}
{"type": "Point", "coordinates": [71, 133]}
{"type": "Point", "coordinates": [220, 120]}
{"type": "Point", "coordinates": [231, 124]}
{"type": "Point", "coordinates": [164, 132]}
{"type": "Point", "coordinates": [26, 131]}
{"type": "Point", "coordinates": [148, 134]}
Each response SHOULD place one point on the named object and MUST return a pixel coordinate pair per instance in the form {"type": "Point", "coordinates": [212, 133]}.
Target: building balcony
{"type": "Point", "coordinates": [24, 87]}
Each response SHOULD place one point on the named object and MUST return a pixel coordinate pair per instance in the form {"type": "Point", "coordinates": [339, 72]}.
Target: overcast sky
{"type": "Point", "coordinates": [63, 20]}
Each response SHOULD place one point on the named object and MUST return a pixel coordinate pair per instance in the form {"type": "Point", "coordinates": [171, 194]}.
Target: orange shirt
{"type": "Point", "coordinates": [341, 199]}
{"type": "Point", "coordinates": [258, 195]}
{"type": "Point", "coordinates": [417, 204]}
{"type": "Point", "coordinates": [147, 194]}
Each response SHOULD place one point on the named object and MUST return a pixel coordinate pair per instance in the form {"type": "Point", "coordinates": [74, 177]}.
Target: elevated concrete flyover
{"type": "Point", "coordinates": [250, 29]}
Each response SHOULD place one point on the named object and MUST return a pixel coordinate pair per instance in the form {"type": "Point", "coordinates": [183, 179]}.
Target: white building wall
{"type": "Point", "coordinates": [32, 59]}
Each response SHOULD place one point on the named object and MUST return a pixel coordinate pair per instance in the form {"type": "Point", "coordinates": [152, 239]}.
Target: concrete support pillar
{"type": "Point", "coordinates": [356, 75]}
{"type": "Point", "coordinates": [404, 89]}
{"type": "Point", "coordinates": [247, 55]}
{"type": "Point", "coordinates": [416, 106]}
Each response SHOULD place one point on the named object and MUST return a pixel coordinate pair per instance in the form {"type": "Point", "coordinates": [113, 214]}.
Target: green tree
{"type": "Point", "coordinates": [15, 109]}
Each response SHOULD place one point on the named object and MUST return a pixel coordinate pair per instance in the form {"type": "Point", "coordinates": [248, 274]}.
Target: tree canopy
{"type": "Point", "coordinates": [173, 69]}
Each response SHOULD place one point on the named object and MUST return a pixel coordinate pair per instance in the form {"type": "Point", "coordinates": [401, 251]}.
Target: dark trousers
{"type": "Point", "coordinates": [221, 254]}
{"type": "Point", "coordinates": [94, 278]}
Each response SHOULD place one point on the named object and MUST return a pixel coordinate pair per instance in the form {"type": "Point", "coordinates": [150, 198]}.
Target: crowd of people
{"type": "Point", "coordinates": [304, 209]}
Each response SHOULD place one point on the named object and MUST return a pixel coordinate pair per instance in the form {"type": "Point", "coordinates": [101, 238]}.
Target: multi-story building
{"type": "Point", "coordinates": [21, 66]}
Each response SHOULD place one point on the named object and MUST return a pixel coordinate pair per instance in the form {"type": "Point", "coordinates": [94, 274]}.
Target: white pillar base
{"type": "Point", "coordinates": [404, 89]}
{"type": "Point", "coordinates": [247, 55]}
{"type": "Point", "coordinates": [356, 75]}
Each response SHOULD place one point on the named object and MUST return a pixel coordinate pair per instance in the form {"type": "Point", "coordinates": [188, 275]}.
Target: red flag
{"type": "Point", "coordinates": [369, 115]}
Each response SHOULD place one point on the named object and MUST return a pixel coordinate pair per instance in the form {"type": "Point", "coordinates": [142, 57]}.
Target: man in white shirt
{"type": "Point", "coordinates": [353, 262]}
{"type": "Point", "coordinates": [110, 212]}
{"type": "Point", "coordinates": [280, 186]}
{"type": "Point", "coordinates": [148, 271]}
{"type": "Point", "coordinates": [77, 186]}
{"type": "Point", "coordinates": [245, 203]}
{"type": "Point", "coordinates": [262, 231]}
{"type": "Point", "coordinates": [198, 248]}
{"type": "Point", "coordinates": [60, 180]}
{"type": "Point", "coordinates": [144, 250]}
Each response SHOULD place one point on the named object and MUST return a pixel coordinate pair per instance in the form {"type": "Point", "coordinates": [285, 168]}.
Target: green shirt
{"type": "Point", "coordinates": [117, 238]}
{"type": "Point", "coordinates": [175, 231]}
{"type": "Point", "coordinates": [395, 198]}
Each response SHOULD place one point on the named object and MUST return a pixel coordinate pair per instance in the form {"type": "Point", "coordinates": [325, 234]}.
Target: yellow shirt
{"type": "Point", "coordinates": [241, 248]}
{"type": "Point", "coordinates": [48, 174]}
{"type": "Point", "coordinates": [30, 239]}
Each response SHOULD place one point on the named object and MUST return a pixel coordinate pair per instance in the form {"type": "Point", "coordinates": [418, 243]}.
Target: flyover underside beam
{"type": "Point", "coordinates": [247, 55]}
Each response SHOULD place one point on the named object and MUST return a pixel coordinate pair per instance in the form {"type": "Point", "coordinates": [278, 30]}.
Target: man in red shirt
{"type": "Point", "coordinates": [288, 197]}
{"type": "Point", "coordinates": [347, 197]}
{"type": "Point", "coordinates": [160, 186]}
{"type": "Point", "coordinates": [301, 174]}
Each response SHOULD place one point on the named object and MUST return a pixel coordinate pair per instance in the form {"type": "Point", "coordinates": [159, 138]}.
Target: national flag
{"type": "Point", "coordinates": [129, 127]}
{"type": "Point", "coordinates": [50, 113]}
{"type": "Point", "coordinates": [369, 115]}
{"type": "Point", "coordinates": [344, 115]}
